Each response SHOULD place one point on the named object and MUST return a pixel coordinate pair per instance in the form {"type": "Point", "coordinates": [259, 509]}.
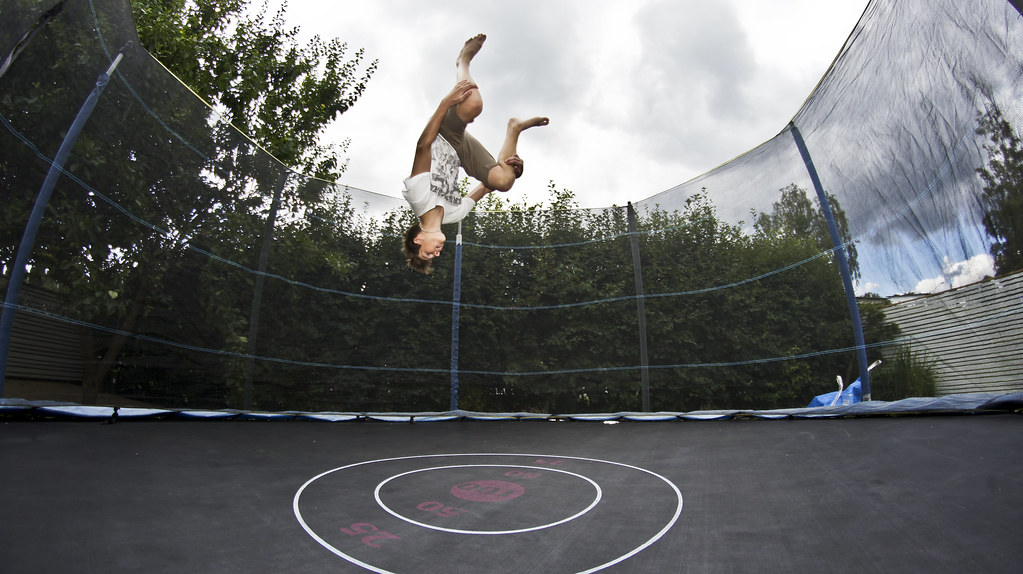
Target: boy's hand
{"type": "Point", "coordinates": [517, 164]}
{"type": "Point", "coordinates": [459, 93]}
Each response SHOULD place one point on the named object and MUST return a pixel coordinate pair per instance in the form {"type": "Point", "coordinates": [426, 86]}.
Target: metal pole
{"type": "Point", "coordinates": [28, 238]}
{"type": "Point", "coordinates": [44, 19]}
{"type": "Point", "coordinates": [843, 263]}
{"type": "Point", "coordinates": [456, 300]}
{"type": "Point", "coordinates": [637, 267]}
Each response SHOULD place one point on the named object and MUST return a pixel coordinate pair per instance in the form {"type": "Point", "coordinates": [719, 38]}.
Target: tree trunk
{"type": "Point", "coordinates": [96, 372]}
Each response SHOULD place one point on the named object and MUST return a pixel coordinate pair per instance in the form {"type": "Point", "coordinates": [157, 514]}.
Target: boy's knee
{"type": "Point", "coordinates": [500, 179]}
{"type": "Point", "coordinates": [470, 109]}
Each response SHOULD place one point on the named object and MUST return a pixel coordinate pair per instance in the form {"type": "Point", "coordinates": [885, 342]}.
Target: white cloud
{"type": "Point", "coordinates": [868, 287]}
{"type": "Point", "coordinates": [932, 285]}
{"type": "Point", "coordinates": [959, 273]}
{"type": "Point", "coordinates": [642, 95]}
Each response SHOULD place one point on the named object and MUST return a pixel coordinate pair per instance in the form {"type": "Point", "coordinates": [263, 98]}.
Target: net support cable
{"type": "Point", "coordinates": [28, 238]}
{"type": "Point", "coordinates": [843, 262]}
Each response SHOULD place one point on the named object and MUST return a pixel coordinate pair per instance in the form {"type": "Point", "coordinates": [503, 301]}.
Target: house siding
{"type": "Point", "coordinates": [972, 335]}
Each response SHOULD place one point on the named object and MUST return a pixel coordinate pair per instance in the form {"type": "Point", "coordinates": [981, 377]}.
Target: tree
{"type": "Point", "coordinates": [809, 300]}
{"type": "Point", "coordinates": [795, 216]}
{"type": "Point", "coordinates": [155, 180]}
{"type": "Point", "coordinates": [255, 72]}
{"type": "Point", "coordinates": [1003, 190]}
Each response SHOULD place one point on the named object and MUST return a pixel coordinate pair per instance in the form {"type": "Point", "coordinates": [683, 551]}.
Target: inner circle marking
{"type": "Point", "coordinates": [596, 500]}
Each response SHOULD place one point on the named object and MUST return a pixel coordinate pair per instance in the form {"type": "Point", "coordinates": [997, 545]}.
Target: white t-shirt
{"type": "Point", "coordinates": [439, 186]}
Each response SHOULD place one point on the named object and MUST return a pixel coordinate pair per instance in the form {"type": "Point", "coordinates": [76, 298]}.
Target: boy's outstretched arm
{"type": "Point", "coordinates": [421, 161]}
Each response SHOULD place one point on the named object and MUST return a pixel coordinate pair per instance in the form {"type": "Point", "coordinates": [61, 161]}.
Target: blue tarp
{"type": "Point", "coordinates": [850, 395]}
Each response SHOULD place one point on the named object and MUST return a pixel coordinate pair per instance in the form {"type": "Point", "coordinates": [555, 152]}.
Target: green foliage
{"type": "Point", "coordinates": [795, 217]}
{"type": "Point", "coordinates": [156, 181]}
{"type": "Point", "coordinates": [165, 240]}
{"type": "Point", "coordinates": [903, 374]}
{"type": "Point", "coordinates": [256, 73]}
{"type": "Point", "coordinates": [1003, 191]}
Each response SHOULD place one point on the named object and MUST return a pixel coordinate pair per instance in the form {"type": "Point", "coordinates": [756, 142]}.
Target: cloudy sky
{"type": "Point", "coordinates": [642, 95]}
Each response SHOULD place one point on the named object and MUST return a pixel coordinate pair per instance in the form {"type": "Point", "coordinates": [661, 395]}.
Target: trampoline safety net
{"type": "Point", "coordinates": [178, 265]}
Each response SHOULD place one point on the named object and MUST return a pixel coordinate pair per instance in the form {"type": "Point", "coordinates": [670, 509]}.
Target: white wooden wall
{"type": "Point", "coordinates": [973, 335]}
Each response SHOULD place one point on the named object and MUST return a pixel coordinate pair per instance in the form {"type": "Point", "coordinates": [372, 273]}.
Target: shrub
{"type": "Point", "coordinates": [903, 374]}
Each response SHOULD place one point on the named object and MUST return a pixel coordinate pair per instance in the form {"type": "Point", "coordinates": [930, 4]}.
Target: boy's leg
{"type": "Point", "coordinates": [472, 107]}
{"type": "Point", "coordinates": [502, 176]}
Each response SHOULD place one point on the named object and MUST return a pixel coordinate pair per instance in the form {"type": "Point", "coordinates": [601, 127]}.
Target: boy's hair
{"type": "Point", "coordinates": [411, 250]}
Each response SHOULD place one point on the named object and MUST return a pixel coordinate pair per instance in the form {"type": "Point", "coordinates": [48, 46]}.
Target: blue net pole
{"type": "Point", "coordinates": [456, 300]}
{"type": "Point", "coordinates": [843, 263]}
{"type": "Point", "coordinates": [28, 238]}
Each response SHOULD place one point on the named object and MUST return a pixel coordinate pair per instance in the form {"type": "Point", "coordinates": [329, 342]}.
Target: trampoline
{"type": "Point", "coordinates": [281, 410]}
{"type": "Point", "coordinates": [911, 493]}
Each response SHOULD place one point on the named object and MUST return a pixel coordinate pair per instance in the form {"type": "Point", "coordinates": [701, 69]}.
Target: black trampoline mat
{"type": "Point", "coordinates": [879, 494]}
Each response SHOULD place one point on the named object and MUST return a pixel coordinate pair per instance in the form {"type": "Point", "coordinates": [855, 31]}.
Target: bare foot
{"type": "Point", "coordinates": [470, 49]}
{"type": "Point", "coordinates": [518, 125]}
